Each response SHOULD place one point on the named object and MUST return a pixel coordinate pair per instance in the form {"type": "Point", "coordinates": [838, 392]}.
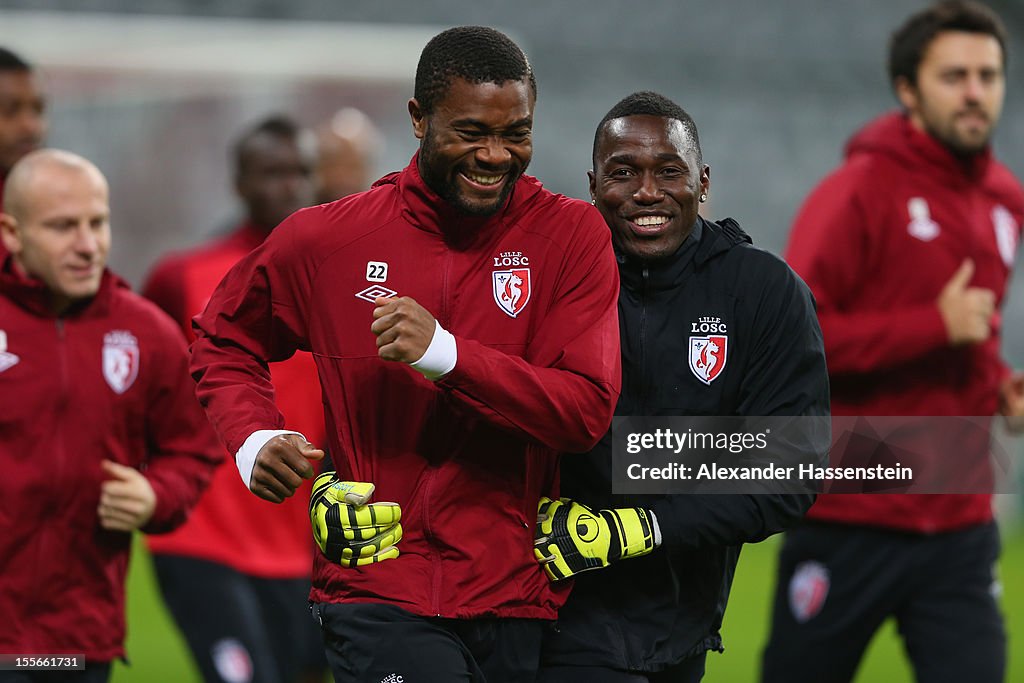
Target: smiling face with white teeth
{"type": "Point", "coordinates": [476, 142]}
{"type": "Point", "coordinates": [647, 181]}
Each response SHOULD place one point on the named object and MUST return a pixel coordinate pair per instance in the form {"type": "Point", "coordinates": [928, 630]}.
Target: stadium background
{"type": "Point", "coordinates": [154, 91]}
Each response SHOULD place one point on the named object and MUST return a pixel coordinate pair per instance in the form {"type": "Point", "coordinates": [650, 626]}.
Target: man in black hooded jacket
{"type": "Point", "coordinates": [654, 618]}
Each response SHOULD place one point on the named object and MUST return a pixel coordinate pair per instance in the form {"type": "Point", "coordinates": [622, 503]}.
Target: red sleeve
{"type": "Point", "coordinates": [165, 286]}
{"type": "Point", "coordinates": [829, 248]}
{"type": "Point", "coordinates": [242, 329]}
{"type": "Point", "coordinates": [563, 393]}
{"type": "Point", "coordinates": [183, 451]}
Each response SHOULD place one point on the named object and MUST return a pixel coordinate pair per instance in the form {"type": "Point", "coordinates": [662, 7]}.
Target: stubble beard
{"type": "Point", "coordinates": [432, 170]}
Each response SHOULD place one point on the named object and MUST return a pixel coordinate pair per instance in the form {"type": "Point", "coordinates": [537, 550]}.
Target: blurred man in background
{"type": "Point", "coordinates": [347, 145]}
{"type": "Point", "coordinates": [236, 576]}
{"type": "Point", "coordinates": [908, 249]}
{"type": "Point", "coordinates": [99, 432]}
{"type": "Point", "coordinates": [22, 114]}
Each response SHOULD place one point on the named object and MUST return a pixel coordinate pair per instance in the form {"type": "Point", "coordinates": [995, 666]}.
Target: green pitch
{"type": "Point", "coordinates": [158, 653]}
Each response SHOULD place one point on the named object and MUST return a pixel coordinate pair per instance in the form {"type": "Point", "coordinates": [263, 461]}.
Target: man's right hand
{"type": "Point", "coordinates": [966, 311]}
{"type": "Point", "coordinates": [281, 465]}
{"type": "Point", "coordinates": [349, 529]}
{"type": "Point", "coordinates": [571, 538]}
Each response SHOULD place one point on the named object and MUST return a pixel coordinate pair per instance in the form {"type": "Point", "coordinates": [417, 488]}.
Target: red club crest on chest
{"type": "Point", "coordinates": [708, 356]}
{"type": "Point", "coordinates": [120, 359]}
{"type": "Point", "coordinates": [511, 289]}
{"type": "Point", "coordinates": [709, 348]}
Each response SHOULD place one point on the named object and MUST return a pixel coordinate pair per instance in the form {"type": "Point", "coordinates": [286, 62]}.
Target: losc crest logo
{"type": "Point", "coordinates": [708, 356]}
{"type": "Point", "coordinates": [921, 224]}
{"type": "Point", "coordinates": [511, 289]}
{"type": "Point", "coordinates": [232, 660]}
{"type": "Point", "coordinates": [7, 359]}
{"type": "Point", "coordinates": [808, 589]}
{"type": "Point", "coordinates": [1006, 233]}
{"type": "Point", "coordinates": [120, 359]}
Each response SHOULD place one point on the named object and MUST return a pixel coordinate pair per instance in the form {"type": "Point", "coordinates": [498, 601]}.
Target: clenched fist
{"type": "Point", "coordinates": [403, 328]}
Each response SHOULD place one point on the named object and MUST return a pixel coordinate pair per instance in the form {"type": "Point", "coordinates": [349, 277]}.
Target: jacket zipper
{"type": "Point", "coordinates": [62, 401]}
{"type": "Point", "coordinates": [442, 315]}
{"type": "Point", "coordinates": [65, 391]}
{"type": "Point", "coordinates": [642, 395]}
{"type": "Point", "coordinates": [643, 341]}
{"type": "Point", "coordinates": [62, 352]}
{"type": "Point", "coordinates": [435, 555]}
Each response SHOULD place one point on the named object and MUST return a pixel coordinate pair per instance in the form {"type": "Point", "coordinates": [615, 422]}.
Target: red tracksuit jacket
{"type": "Point", "coordinates": [877, 241]}
{"type": "Point", "coordinates": [230, 525]}
{"type": "Point", "coordinates": [107, 380]}
{"type": "Point", "coordinates": [3, 249]}
{"type": "Point", "coordinates": [466, 457]}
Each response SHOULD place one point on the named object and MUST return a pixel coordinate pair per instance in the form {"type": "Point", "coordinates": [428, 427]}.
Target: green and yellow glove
{"type": "Point", "coordinates": [349, 531]}
{"type": "Point", "coordinates": [571, 538]}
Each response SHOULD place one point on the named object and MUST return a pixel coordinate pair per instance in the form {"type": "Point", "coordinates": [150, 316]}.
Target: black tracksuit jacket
{"type": "Point", "coordinates": [648, 613]}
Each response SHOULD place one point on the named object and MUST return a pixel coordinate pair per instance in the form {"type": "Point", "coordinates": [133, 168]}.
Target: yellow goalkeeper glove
{"type": "Point", "coordinates": [571, 538]}
{"type": "Point", "coordinates": [349, 531]}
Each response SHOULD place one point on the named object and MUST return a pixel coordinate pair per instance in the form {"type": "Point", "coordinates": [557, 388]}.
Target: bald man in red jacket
{"type": "Point", "coordinates": [99, 432]}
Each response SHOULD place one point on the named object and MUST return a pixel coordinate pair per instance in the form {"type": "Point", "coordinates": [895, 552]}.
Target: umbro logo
{"type": "Point", "coordinates": [375, 292]}
{"type": "Point", "coordinates": [8, 360]}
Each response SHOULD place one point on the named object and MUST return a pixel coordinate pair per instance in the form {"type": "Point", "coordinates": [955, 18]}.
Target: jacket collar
{"type": "Point", "coordinates": [33, 296]}
{"type": "Point", "coordinates": [894, 135]}
{"type": "Point", "coordinates": [707, 240]}
{"type": "Point", "coordinates": [424, 209]}
{"type": "Point", "coordinates": [721, 236]}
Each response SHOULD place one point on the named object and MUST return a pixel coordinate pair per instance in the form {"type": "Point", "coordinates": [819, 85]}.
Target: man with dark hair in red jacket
{"type": "Point", "coordinates": [22, 114]}
{"type": "Point", "coordinates": [239, 556]}
{"type": "Point", "coordinates": [908, 249]}
{"type": "Point", "coordinates": [463, 323]}
{"type": "Point", "coordinates": [99, 433]}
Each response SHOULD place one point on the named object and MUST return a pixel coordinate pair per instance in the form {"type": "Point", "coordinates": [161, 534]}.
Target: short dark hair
{"type": "Point", "coordinates": [477, 54]}
{"type": "Point", "coordinates": [909, 42]}
{"type": "Point", "coordinates": [648, 103]}
{"type": "Point", "coordinates": [12, 62]}
{"type": "Point", "coordinates": [277, 126]}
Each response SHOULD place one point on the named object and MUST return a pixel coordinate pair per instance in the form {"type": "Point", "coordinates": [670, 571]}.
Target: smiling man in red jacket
{"type": "Point", "coordinates": [463, 322]}
{"type": "Point", "coordinates": [908, 249]}
{"type": "Point", "coordinates": [99, 433]}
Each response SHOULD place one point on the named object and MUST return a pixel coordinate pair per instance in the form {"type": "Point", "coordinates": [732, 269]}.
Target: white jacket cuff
{"type": "Point", "coordinates": [440, 356]}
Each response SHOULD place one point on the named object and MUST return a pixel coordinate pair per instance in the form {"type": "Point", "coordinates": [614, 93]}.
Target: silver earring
{"type": "Point", "coordinates": [703, 197]}
{"type": "Point", "coordinates": [594, 202]}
